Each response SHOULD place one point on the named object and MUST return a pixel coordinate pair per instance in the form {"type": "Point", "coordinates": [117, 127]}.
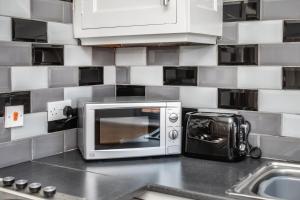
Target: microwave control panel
{"type": "Point", "coordinates": [173, 130]}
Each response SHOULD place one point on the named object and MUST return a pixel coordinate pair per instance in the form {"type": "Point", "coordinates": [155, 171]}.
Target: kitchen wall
{"type": "Point", "coordinates": [252, 71]}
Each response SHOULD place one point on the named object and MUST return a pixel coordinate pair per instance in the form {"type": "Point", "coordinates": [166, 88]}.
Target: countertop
{"type": "Point", "coordinates": [118, 179]}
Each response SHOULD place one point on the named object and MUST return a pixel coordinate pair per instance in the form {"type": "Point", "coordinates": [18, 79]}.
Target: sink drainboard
{"type": "Point", "coordinates": [275, 180]}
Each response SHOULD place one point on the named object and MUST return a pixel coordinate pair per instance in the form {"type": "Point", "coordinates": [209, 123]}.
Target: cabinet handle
{"type": "Point", "coordinates": [166, 3]}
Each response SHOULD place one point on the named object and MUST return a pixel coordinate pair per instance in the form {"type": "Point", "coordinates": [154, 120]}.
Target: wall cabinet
{"type": "Point", "coordinates": [109, 22]}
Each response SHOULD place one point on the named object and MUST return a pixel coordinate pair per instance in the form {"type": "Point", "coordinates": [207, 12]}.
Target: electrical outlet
{"type": "Point", "coordinates": [55, 110]}
{"type": "Point", "coordinates": [14, 116]}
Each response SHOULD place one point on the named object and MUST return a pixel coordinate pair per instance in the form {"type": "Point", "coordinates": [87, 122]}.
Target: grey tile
{"type": "Point", "coordinates": [101, 91]}
{"type": "Point", "coordinates": [103, 56]}
{"type": "Point", "coordinates": [230, 33]}
{"type": "Point", "coordinates": [263, 123]}
{"type": "Point", "coordinates": [217, 77]}
{"type": "Point", "coordinates": [70, 139]}
{"type": "Point", "coordinates": [5, 79]}
{"type": "Point", "coordinates": [280, 147]}
{"type": "Point", "coordinates": [5, 135]}
{"type": "Point", "coordinates": [163, 56]}
{"type": "Point", "coordinates": [279, 9]}
{"type": "Point", "coordinates": [286, 54]}
{"type": "Point", "coordinates": [48, 145]}
{"type": "Point", "coordinates": [15, 53]}
{"type": "Point", "coordinates": [123, 75]}
{"type": "Point", "coordinates": [12, 153]}
{"type": "Point", "coordinates": [254, 139]}
{"type": "Point", "coordinates": [67, 12]}
{"type": "Point", "coordinates": [40, 98]}
{"type": "Point", "coordinates": [47, 10]}
{"type": "Point", "coordinates": [162, 92]}
{"type": "Point", "coordinates": [63, 76]}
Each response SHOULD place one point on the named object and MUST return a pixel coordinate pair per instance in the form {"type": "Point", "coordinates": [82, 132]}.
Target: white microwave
{"type": "Point", "coordinates": [124, 129]}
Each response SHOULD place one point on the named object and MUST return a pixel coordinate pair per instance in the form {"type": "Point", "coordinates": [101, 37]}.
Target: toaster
{"type": "Point", "coordinates": [216, 136]}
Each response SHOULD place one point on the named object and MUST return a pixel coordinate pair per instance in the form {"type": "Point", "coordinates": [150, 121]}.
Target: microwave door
{"type": "Point", "coordinates": [127, 128]}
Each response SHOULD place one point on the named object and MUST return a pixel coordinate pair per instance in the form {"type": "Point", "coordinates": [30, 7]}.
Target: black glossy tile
{"type": "Point", "coordinates": [64, 124]}
{"type": "Point", "coordinates": [241, 11]}
{"type": "Point", "coordinates": [238, 99]}
{"type": "Point", "coordinates": [90, 76]}
{"type": "Point", "coordinates": [44, 54]}
{"type": "Point", "coordinates": [15, 99]}
{"type": "Point", "coordinates": [291, 31]}
{"type": "Point", "coordinates": [180, 76]}
{"type": "Point", "coordinates": [291, 78]}
{"type": "Point", "coordinates": [4, 101]}
{"type": "Point", "coordinates": [252, 10]}
{"type": "Point", "coordinates": [130, 90]}
{"type": "Point", "coordinates": [233, 11]}
{"type": "Point", "coordinates": [238, 54]}
{"type": "Point", "coordinates": [29, 30]}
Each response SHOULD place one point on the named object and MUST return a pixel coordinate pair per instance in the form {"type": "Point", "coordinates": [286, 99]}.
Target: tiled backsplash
{"type": "Point", "coordinates": [252, 71]}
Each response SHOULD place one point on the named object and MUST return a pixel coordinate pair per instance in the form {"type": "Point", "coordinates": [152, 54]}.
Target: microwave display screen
{"type": "Point", "coordinates": [127, 128]}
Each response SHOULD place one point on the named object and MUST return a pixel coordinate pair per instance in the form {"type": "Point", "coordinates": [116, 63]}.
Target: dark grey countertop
{"type": "Point", "coordinates": [116, 179]}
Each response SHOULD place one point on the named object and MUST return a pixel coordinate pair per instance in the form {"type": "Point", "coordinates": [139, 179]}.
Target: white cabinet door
{"type": "Point", "coordinates": [124, 13]}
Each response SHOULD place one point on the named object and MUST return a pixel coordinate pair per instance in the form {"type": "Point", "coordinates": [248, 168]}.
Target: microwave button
{"type": "Point", "coordinates": [173, 117]}
{"type": "Point", "coordinates": [173, 134]}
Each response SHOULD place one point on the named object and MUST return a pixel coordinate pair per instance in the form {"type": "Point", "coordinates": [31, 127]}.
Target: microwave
{"type": "Point", "coordinates": [124, 129]}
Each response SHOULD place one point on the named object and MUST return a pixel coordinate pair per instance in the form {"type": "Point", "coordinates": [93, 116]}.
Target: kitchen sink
{"type": "Point", "coordinates": [275, 180]}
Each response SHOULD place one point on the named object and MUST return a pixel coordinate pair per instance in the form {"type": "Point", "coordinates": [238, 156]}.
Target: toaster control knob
{"type": "Point", "coordinates": [242, 147]}
{"type": "Point", "coordinates": [173, 134]}
{"type": "Point", "coordinates": [173, 117]}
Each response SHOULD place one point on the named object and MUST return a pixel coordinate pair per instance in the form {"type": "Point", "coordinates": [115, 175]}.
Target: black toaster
{"type": "Point", "coordinates": [216, 136]}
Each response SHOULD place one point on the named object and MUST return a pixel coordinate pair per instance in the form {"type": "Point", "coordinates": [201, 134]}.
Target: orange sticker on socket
{"type": "Point", "coordinates": [15, 116]}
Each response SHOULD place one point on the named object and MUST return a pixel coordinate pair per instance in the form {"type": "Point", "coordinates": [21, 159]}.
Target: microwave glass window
{"type": "Point", "coordinates": [127, 128]}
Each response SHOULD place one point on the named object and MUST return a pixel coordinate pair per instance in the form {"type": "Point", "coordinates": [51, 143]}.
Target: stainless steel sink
{"type": "Point", "coordinates": [262, 183]}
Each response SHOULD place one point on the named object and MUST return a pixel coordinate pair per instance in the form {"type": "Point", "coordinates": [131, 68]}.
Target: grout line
{"type": "Point", "coordinates": [70, 168]}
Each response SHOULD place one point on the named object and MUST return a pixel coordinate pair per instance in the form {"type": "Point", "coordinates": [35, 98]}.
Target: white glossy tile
{"type": "Point", "coordinates": [77, 55]}
{"type": "Point", "coordinates": [15, 8]}
{"type": "Point", "coordinates": [204, 55]}
{"type": "Point", "coordinates": [260, 32]}
{"type": "Point", "coordinates": [260, 77]}
{"type": "Point", "coordinates": [5, 30]}
{"type": "Point", "coordinates": [34, 124]}
{"type": "Point", "coordinates": [291, 125]}
{"type": "Point", "coordinates": [281, 101]}
{"type": "Point", "coordinates": [29, 78]}
{"type": "Point", "coordinates": [131, 56]}
{"type": "Point", "coordinates": [151, 75]}
{"type": "Point", "coordinates": [109, 75]}
{"type": "Point", "coordinates": [199, 97]}
{"type": "Point", "coordinates": [59, 33]}
{"type": "Point", "coordinates": [75, 93]}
